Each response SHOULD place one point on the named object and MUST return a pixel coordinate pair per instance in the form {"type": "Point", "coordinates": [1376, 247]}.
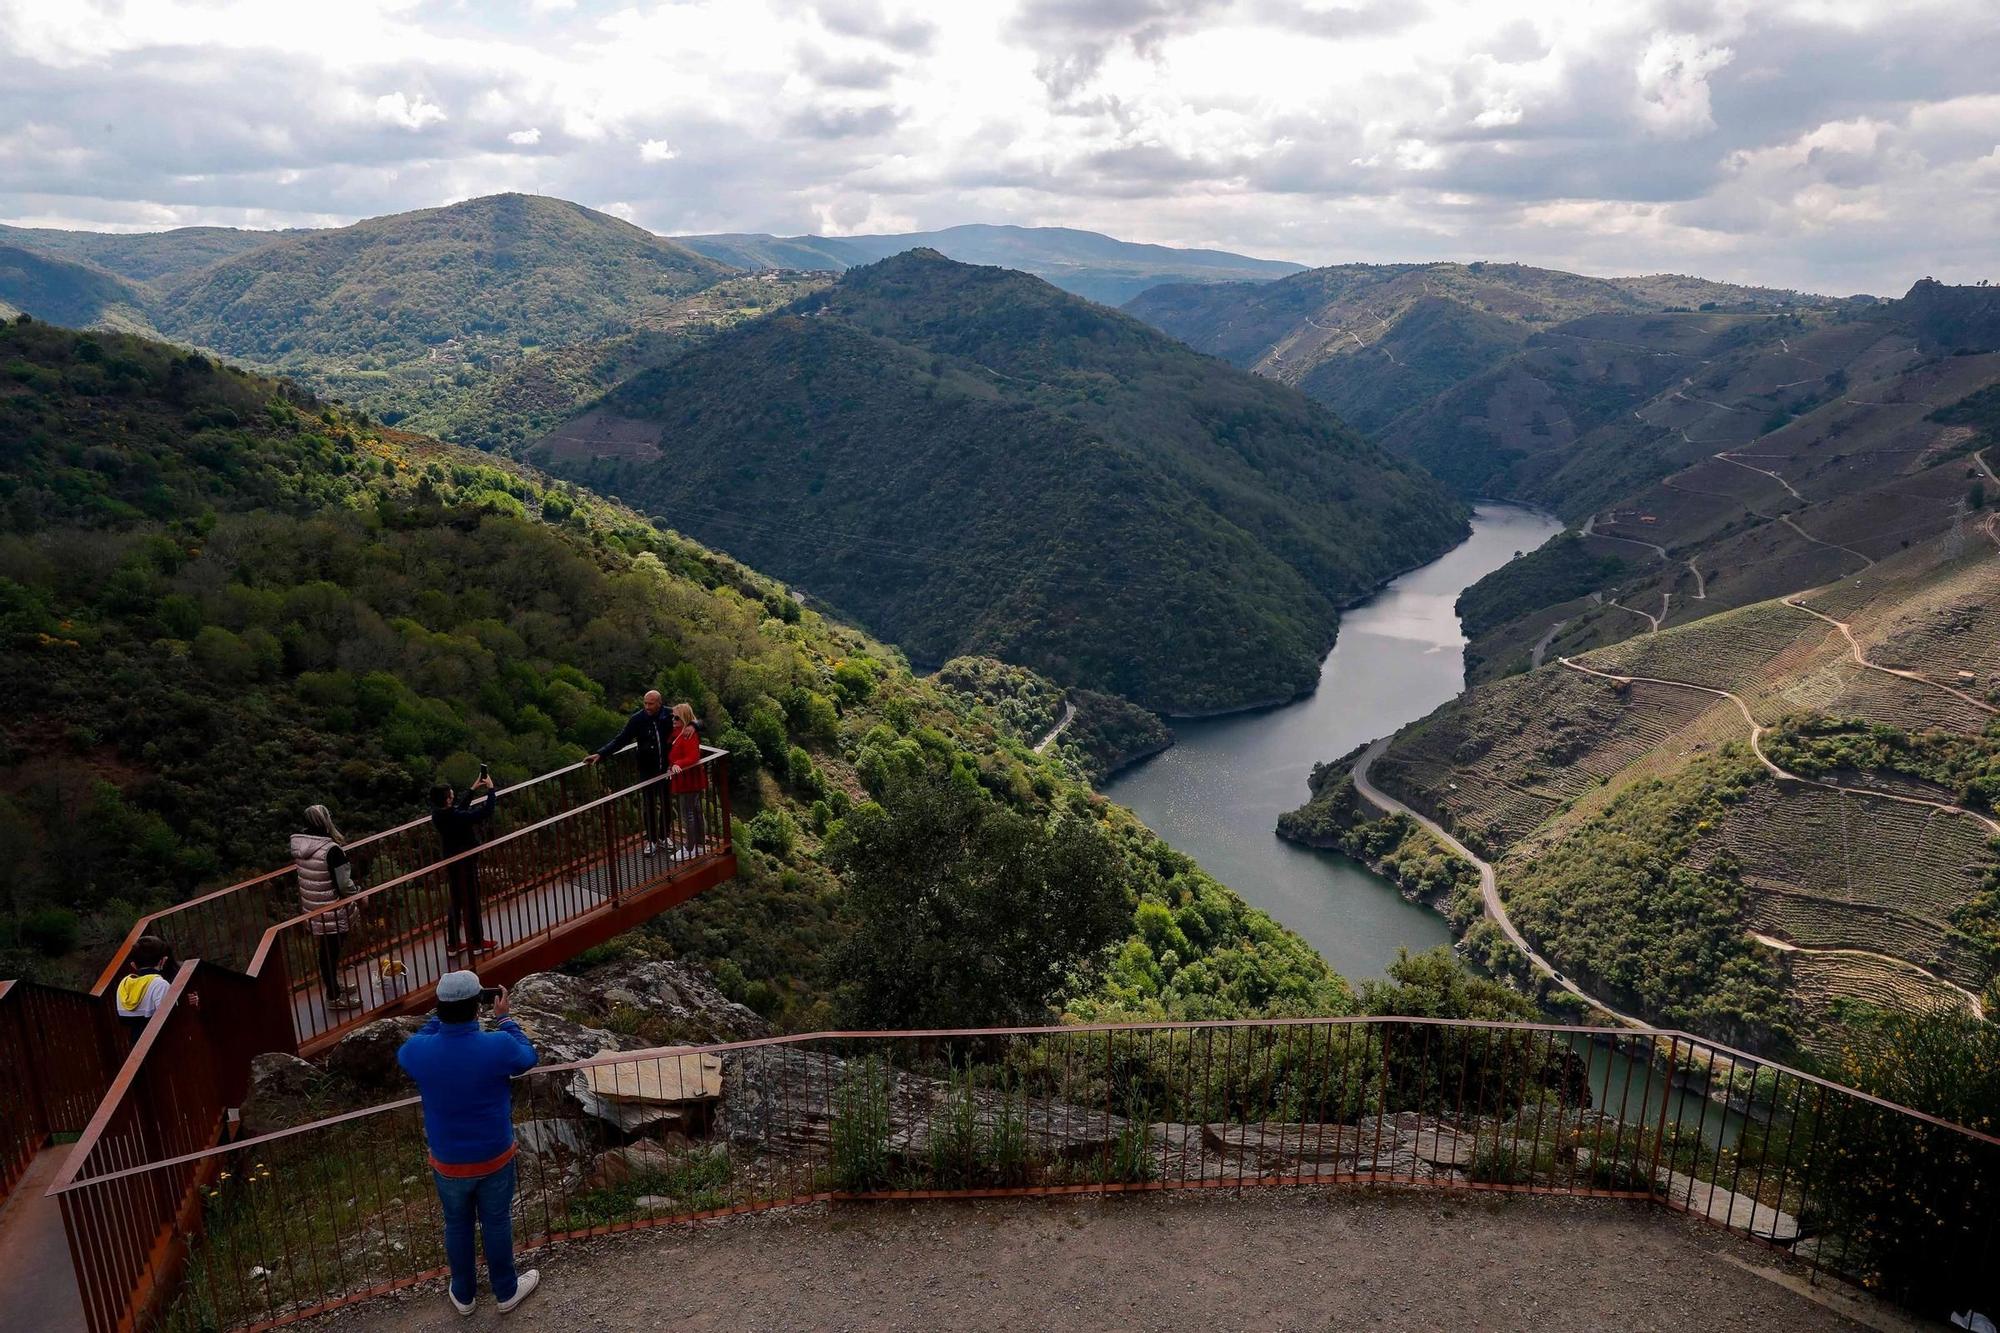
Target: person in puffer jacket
{"type": "Point", "coordinates": [324, 879]}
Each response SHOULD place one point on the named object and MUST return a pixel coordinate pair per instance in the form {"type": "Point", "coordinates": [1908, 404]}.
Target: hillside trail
{"type": "Point", "coordinates": [1068, 714]}
{"type": "Point", "coordinates": [1757, 730]}
{"type": "Point", "coordinates": [1489, 881]}
{"type": "Point", "coordinates": [1861, 659]}
{"type": "Point", "coordinates": [1972, 1001]}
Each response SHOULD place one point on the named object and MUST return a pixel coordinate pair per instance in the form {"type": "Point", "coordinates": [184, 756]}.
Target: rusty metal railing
{"type": "Point", "coordinates": [533, 884]}
{"type": "Point", "coordinates": [58, 1052]}
{"type": "Point", "coordinates": [224, 926]}
{"type": "Point", "coordinates": [300, 1221]}
{"type": "Point", "coordinates": [549, 889]}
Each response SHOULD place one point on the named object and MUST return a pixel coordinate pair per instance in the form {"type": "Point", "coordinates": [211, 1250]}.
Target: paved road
{"type": "Point", "coordinates": [1069, 713]}
{"type": "Point", "coordinates": [1489, 883]}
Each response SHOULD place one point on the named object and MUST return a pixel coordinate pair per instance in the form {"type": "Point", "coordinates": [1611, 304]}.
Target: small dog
{"type": "Point", "coordinates": [392, 972]}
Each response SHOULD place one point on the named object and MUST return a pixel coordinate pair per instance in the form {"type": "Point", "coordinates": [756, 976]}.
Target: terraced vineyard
{"type": "Point", "coordinates": [1822, 983]}
{"type": "Point", "coordinates": [1492, 771]}
{"type": "Point", "coordinates": [1833, 870]}
{"type": "Point", "coordinates": [1727, 652]}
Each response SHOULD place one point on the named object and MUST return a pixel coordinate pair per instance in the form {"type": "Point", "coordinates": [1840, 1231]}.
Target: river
{"type": "Point", "coordinates": [1217, 794]}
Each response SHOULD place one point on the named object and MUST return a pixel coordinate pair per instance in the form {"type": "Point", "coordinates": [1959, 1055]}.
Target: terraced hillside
{"type": "Point", "coordinates": [1648, 843]}
{"type": "Point", "coordinates": [1818, 448]}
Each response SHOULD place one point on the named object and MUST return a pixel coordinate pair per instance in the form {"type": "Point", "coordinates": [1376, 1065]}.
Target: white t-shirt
{"type": "Point", "coordinates": [149, 1000]}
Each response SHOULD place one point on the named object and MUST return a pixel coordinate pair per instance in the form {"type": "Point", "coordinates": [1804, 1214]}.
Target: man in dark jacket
{"type": "Point", "coordinates": [651, 728]}
{"type": "Point", "coordinates": [457, 819]}
{"type": "Point", "coordinates": [464, 1073]}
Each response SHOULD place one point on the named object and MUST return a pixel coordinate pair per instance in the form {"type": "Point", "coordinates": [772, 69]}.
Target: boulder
{"type": "Point", "coordinates": [366, 1057]}
{"type": "Point", "coordinates": [646, 1158]}
{"type": "Point", "coordinates": [284, 1091]}
{"type": "Point", "coordinates": [646, 1003]}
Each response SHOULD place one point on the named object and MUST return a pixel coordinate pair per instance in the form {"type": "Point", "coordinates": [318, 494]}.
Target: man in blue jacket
{"type": "Point", "coordinates": [465, 1073]}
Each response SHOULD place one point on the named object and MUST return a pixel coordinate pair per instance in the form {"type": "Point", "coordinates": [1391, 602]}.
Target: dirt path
{"type": "Point", "coordinates": [1265, 1260]}
{"type": "Point", "coordinates": [1854, 648]}
{"type": "Point", "coordinates": [1757, 730]}
{"type": "Point", "coordinates": [1732, 458]}
{"type": "Point", "coordinates": [1062, 725]}
{"type": "Point", "coordinates": [1489, 881]}
{"type": "Point", "coordinates": [1786, 946]}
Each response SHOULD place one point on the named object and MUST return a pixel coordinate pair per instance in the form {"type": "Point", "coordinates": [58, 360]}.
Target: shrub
{"type": "Point", "coordinates": [858, 1137]}
{"type": "Point", "coordinates": [774, 831]}
{"type": "Point", "coordinates": [50, 931]}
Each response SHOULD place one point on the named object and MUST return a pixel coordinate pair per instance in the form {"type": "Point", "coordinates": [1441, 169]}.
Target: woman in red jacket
{"type": "Point", "coordinates": [687, 777]}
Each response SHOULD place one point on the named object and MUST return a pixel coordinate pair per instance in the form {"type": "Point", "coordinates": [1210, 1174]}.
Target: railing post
{"type": "Point", "coordinates": [722, 776]}
{"type": "Point", "coordinates": [611, 844]}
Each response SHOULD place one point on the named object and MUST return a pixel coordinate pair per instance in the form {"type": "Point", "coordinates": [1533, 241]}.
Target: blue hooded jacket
{"type": "Point", "coordinates": [465, 1074]}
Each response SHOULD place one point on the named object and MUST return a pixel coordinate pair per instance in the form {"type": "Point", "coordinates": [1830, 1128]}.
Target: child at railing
{"type": "Point", "coordinates": [144, 986]}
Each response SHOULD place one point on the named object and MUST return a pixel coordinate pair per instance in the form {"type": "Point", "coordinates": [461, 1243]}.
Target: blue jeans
{"type": "Point", "coordinates": [490, 1198]}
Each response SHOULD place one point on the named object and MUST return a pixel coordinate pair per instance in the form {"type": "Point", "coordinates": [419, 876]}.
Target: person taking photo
{"type": "Point", "coordinates": [457, 819]}
{"type": "Point", "coordinates": [464, 1073]}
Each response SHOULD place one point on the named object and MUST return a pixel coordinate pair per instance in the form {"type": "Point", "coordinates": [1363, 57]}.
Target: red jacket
{"type": "Point", "coordinates": [686, 756]}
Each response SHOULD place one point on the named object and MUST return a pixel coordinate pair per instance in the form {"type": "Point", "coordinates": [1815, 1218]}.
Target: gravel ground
{"type": "Point", "coordinates": [1290, 1259]}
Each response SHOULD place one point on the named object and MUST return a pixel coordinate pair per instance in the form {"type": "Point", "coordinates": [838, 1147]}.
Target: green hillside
{"type": "Point", "coordinates": [506, 270]}
{"type": "Point", "coordinates": [67, 292]}
{"type": "Point", "coordinates": [222, 600]}
{"type": "Point", "coordinates": [1379, 343]}
{"type": "Point", "coordinates": [973, 462]}
{"type": "Point", "coordinates": [154, 258]}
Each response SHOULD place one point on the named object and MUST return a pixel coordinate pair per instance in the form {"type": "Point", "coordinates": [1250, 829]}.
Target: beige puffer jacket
{"type": "Point", "coordinates": [316, 887]}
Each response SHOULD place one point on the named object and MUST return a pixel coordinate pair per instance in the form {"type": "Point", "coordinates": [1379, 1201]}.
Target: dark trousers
{"type": "Point", "coordinates": [691, 821]}
{"type": "Point", "coordinates": [489, 1201]}
{"type": "Point", "coordinates": [331, 946]}
{"type": "Point", "coordinates": [653, 809]}
{"type": "Point", "coordinates": [464, 876]}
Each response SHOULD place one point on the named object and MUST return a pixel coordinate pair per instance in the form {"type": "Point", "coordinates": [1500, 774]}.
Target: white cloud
{"type": "Point", "coordinates": [1845, 145]}
{"type": "Point", "coordinates": [411, 113]}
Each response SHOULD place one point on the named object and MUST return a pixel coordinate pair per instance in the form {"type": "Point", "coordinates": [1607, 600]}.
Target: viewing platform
{"type": "Point", "coordinates": [570, 860]}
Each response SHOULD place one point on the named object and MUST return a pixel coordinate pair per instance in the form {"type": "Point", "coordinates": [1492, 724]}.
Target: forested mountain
{"type": "Point", "coordinates": [222, 600]}
{"type": "Point", "coordinates": [60, 289]}
{"type": "Point", "coordinates": [1087, 263]}
{"type": "Point", "coordinates": [972, 461]}
{"type": "Point", "coordinates": [1379, 342]}
{"type": "Point", "coordinates": [511, 269]}
{"type": "Point", "coordinates": [152, 258]}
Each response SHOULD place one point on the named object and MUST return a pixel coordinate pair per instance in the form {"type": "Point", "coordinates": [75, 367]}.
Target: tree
{"type": "Point", "coordinates": [966, 914]}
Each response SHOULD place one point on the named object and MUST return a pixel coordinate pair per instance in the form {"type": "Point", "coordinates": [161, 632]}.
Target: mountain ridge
{"type": "Point", "coordinates": [1086, 263]}
{"type": "Point", "coordinates": [1007, 394]}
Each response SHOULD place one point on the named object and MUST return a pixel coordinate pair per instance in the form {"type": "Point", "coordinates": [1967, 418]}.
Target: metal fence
{"type": "Point", "coordinates": [225, 926]}
{"type": "Point", "coordinates": [536, 885]}
{"type": "Point", "coordinates": [341, 1209]}
{"type": "Point", "coordinates": [550, 888]}
{"type": "Point", "coordinates": [58, 1052]}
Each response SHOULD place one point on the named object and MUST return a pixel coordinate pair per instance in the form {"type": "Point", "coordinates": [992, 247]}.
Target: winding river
{"type": "Point", "coordinates": [1217, 794]}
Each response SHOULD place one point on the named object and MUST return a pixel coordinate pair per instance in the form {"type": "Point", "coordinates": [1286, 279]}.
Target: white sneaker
{"type": "Point", "coordinates": [464, 1308]}
{"type": "Point", "coordinates": [529, 1281]}
{"type": "Point", "coordinates": [649, 848]}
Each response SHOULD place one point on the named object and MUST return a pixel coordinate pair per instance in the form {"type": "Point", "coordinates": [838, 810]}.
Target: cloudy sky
{"type": "Point", "coordinates": [1834, 145]}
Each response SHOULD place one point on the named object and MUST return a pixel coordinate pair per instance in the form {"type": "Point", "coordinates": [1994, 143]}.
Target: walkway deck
{"type": "Point", "coordinates": [37, 1285]}
{"type": "Point", "coordinates": [1267, 1260]}
{"type": "Point", "coordinates": [534, 928]}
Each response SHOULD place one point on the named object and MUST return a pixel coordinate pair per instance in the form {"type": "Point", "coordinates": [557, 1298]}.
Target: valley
{"type": "Point", "coordinates": [1766, 624]}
